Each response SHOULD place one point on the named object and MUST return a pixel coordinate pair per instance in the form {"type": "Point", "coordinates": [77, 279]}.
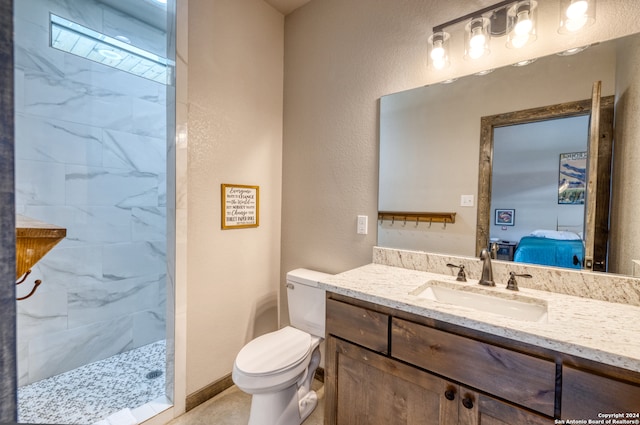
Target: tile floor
{"type": "Point", "coordinates": [95, 391]}
{"type": "Point", "coordinates": [231, 407]}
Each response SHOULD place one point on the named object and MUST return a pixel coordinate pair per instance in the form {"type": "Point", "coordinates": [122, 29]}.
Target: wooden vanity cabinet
{"type": "Point", "coordinates": [391, 384]}
{"type": "Point", "coordinates": [367, 388]}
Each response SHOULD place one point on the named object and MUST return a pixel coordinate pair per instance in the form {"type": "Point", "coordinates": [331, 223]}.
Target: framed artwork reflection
{"type": "Point", "coordinates": [505, 217]}
{"type": "Point", "coordinates": [572, 178]}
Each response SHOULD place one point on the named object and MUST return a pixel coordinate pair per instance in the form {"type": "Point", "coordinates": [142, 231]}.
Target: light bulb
{"type": "Point", "coordinates": [519, 40]}
{"type": "Point", "coordinates": [439, 49]}
{"type": "Point", "coordinates": [478, 39]}
{"type": "Point", "coordinates": [573, 25]}
{"type": "Point", "coordinates": [476, 52]}
{"type": "Point", "coordinates": [576, 14]}
{"type": "Point", "coordinates": [524, 24]}
{"type": "Point", "coordinates": [437, 53]}
{"type": "Point", "coordinates": [521, 24]}
{"type": "Point", "coordinates": [577, 9]}
{"type": "Point", "coordinates": [439, 63]}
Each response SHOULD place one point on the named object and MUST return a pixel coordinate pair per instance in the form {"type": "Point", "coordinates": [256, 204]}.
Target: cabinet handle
{"type": "Point", "coordinates": [450, 394]}
{"type": "Point", "coordinates": [468, 403]}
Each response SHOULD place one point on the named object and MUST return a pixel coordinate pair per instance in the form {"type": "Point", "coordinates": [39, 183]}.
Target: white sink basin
{"type": "Point", "coordinates": [515, 306]}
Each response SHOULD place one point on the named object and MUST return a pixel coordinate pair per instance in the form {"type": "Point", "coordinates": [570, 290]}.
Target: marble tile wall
{"type": "Point", "coordinates": [91, 157]}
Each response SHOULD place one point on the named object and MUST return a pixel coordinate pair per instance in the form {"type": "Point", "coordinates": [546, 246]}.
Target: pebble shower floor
{"type": "Point", "coordinates": [92, 392]}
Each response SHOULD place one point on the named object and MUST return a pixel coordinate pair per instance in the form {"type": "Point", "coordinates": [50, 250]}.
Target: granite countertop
{"type": "Point", "coordinates": [597, 330]}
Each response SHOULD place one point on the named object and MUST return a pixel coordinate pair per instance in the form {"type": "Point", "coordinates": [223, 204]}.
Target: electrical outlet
{"type": "Point", "coordinates": [363, 221]}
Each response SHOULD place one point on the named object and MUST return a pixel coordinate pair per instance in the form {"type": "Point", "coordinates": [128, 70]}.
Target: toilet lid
{"type": "Point", "coordinates": [274, 352]}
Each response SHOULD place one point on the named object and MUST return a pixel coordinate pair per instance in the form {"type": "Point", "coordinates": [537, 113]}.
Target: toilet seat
{"type": "Point", "coordinates": [274, 353]}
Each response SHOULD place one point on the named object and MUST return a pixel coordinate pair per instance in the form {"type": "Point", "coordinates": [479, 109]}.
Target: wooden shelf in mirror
{"type": "Point", "coordinates": [415, 217]}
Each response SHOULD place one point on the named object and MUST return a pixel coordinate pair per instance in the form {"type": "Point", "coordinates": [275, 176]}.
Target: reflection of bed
{"type": "Point", "coordinates": [548, 251]}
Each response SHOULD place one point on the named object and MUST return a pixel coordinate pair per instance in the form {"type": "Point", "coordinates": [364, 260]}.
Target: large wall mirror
{"type": "Point", "coordinates": [430, 156]}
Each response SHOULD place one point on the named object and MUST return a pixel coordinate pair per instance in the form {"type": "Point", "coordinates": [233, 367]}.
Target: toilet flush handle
{"type": "Point", "coordinates": [290, 286]}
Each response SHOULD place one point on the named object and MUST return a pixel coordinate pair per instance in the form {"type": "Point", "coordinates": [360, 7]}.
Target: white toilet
{"type": "Point", "coordinates": [277, 368]}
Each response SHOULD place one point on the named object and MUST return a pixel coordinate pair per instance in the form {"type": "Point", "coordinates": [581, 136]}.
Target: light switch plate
{"type": "Point", "coordinates": [466, 200]}
{"type": "Point", "coordinates": [363, 222]}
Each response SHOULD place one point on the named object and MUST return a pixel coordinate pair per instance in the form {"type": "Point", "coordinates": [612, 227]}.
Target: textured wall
{"type": "Point", "coordinates": [234, 123]}
{"type": "Point", "coordinates": [340, 58]}
{"type": "Point", "coordinates": [7, 222]}
{"type": "Point", "coordinates": [625, 243]}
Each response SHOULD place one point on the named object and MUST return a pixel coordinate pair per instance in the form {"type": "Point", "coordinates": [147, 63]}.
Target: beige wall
{"type": "Point", "coordinates": [340, 58]}
{"type": "Point", "coordinates": [625, 243]}
{"type": "Point", "coordinates": [234, 123]}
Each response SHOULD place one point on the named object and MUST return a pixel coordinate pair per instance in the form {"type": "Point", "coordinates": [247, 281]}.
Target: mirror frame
{"type": "Point", "coordinates": [487, 125]}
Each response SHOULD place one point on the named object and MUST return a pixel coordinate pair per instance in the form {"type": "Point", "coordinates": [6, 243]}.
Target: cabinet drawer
{"type": "Point", "coordinates": [364, 327]}
{"type": "Point", "coordinates": [585, 395]}
{"type": "Point", "coordinates": [519, 378]}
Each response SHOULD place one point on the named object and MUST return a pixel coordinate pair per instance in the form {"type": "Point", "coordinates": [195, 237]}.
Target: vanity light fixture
{"type": "Point", "coordinates": [481, 25]}
{"type": "Point", "coordinates": [517, 19]}
{"type": "Point", "coordinates": [576, 15]}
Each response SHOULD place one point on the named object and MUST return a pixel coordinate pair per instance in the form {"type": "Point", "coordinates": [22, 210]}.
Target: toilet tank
{"type": "Point", "coordinates": [306, 301]}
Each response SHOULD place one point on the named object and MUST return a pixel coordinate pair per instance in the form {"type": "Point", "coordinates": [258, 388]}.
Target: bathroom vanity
{"type": "Point", "coordinates": [396, 355]}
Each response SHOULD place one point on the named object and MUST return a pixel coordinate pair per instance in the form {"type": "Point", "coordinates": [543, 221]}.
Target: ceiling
{"type": "Point", "coordinates": [286, 6]}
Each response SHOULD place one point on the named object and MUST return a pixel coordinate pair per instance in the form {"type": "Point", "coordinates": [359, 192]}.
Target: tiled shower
{"type": "Point", "coordinates": [90, 157]}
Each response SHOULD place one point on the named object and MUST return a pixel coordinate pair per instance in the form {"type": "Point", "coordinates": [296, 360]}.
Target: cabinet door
{"type": "Point", "coordinates": [585, 395]}
{"type": "Point", "coordinates": [480, 409]}
{"type": "Point", "coordinates": [362, 387]}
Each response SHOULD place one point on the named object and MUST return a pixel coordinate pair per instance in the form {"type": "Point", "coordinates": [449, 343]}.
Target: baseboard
{"type": "Point", "coordinates": [208, 392]}
{"type": "Point", "coordinates": [215, 388]}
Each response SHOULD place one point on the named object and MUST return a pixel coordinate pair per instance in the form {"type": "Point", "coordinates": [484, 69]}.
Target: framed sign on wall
{"type": "Point", "coordinates": [240, 206]}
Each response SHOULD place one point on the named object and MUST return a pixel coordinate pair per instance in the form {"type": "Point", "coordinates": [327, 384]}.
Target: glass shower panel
{"type": "Point", "coordinates": [91, 157]}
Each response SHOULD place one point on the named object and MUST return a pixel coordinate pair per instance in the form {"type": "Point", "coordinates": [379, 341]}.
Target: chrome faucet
{"type": "Point", "coordinates": [487, 272]}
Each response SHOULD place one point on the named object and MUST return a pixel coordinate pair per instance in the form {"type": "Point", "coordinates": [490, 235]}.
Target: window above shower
{"type": "Point", "coordinates": [116, 52]}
